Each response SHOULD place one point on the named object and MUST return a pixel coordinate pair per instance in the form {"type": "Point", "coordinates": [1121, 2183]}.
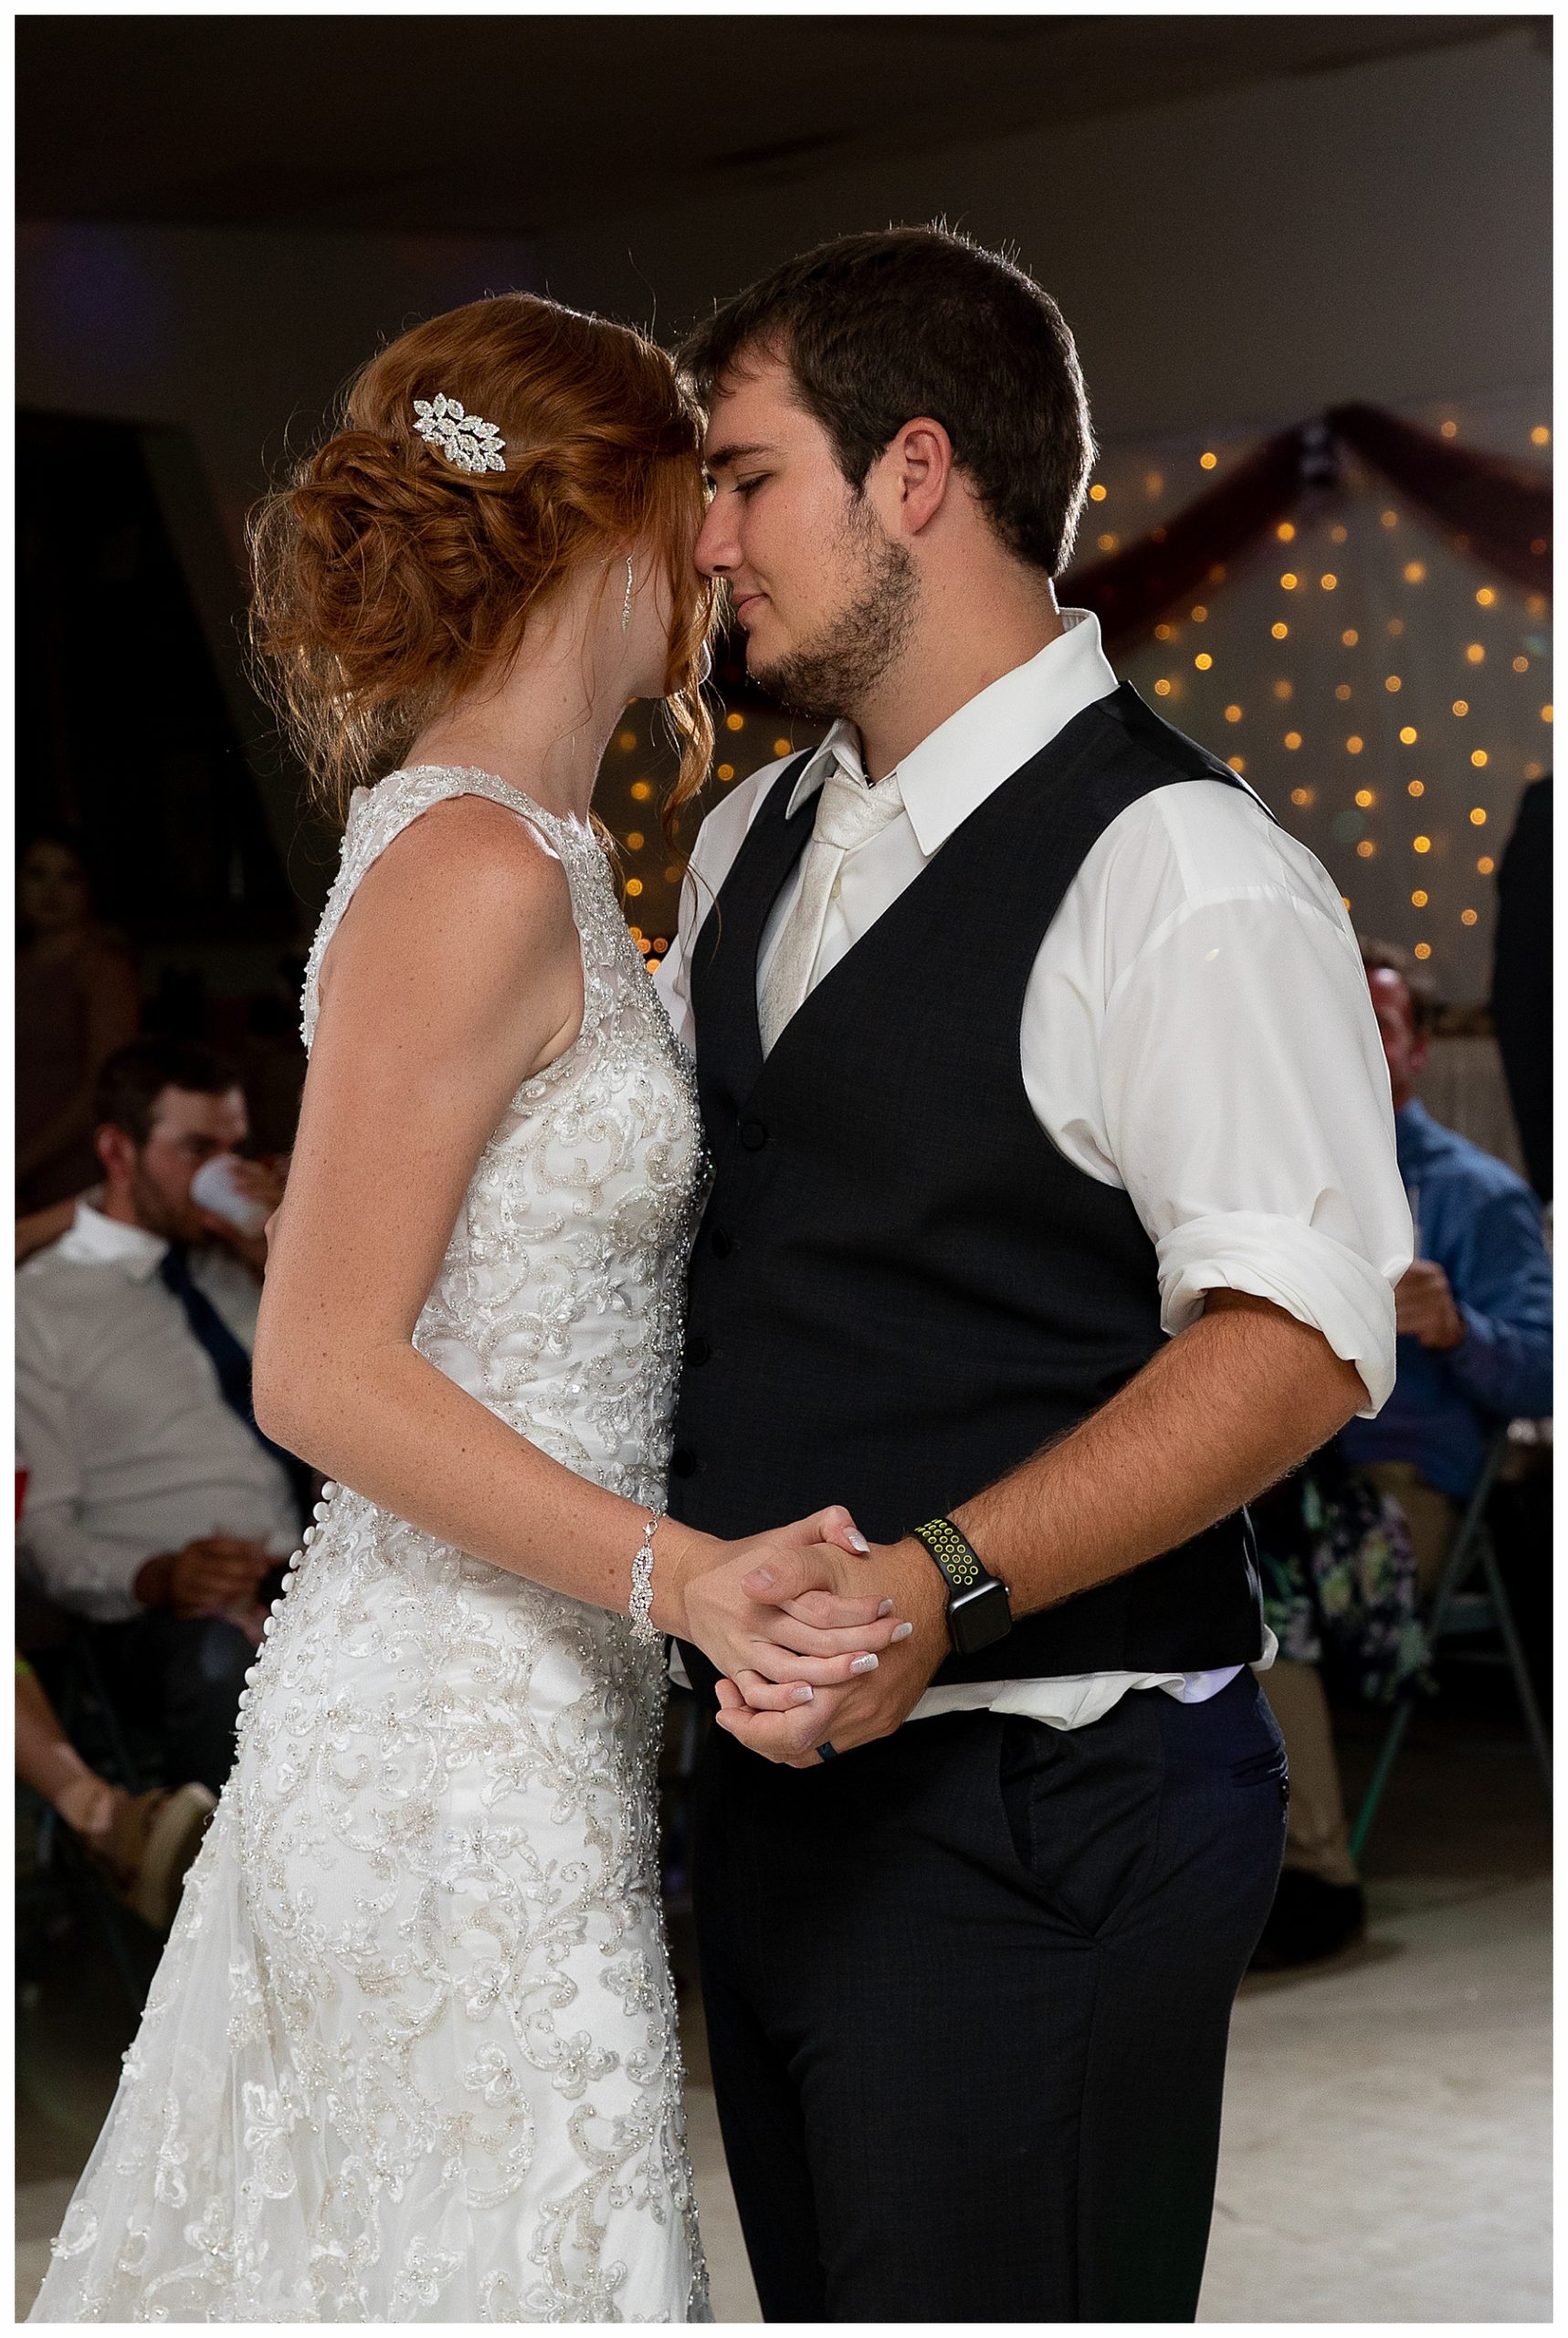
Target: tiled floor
{"type": "Point", "coordinates": [1386, 2156]}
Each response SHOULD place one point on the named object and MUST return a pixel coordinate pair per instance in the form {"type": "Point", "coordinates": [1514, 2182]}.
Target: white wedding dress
{"type": "Point", "coordinates": [410, 2055]}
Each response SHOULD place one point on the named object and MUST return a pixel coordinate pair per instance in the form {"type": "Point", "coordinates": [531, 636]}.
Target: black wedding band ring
{"type": "Point", "coordinates": [828, 1753]}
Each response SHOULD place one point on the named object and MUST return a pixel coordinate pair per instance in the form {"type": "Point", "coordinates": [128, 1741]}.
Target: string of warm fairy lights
{"type": "Point", "coordinates": [1402, 733]}
{"type": "Point", "coordinates": [1386, 700]}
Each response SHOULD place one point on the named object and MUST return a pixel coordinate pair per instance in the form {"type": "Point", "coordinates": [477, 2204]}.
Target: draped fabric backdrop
{"type": "Point", "coordinates": [1384, 685]}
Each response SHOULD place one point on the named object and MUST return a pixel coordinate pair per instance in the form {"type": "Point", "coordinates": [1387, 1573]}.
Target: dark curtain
{"type": "Point", "coordinates": [1521, 978]}
{"type": "Point", "coordinates": [124, 731]}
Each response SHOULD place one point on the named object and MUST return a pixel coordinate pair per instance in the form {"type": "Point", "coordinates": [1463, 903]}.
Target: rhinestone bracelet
{"type": "Point", "coordinates": [643, 1629]}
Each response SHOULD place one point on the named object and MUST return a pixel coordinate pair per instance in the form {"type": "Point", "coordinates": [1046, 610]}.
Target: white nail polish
{"type": "Point", "coordinates": [803, 1695]}
{"type": "Point", "coordinates": [856, 1540]}
{"type": "Point", "coordinates": [885, 1608]}
{"type": "Point", "coordinates": [864, 1664]}
{"type": "Point", "coordinates": [902, 1631]}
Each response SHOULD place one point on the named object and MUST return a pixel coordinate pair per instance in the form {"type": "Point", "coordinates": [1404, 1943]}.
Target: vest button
{"type": "Point", "coordinates": [754, 1135]}
{"type": "Point", "coordinates": [720, 1243]}
{"type": "Point", "coordinates": [698, 1351]}
{"type": "Point", "coordinates": [682, 1461]}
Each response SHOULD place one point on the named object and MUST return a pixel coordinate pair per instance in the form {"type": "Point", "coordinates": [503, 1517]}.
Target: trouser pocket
{"type": "Point", "coordinates": [1082, 1811]}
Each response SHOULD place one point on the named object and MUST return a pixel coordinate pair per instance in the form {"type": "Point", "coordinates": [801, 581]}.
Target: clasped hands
{"type": "Point", "coordinates": [817, 1636]}
{"type": "Point", "coordinates": [217, 1575]}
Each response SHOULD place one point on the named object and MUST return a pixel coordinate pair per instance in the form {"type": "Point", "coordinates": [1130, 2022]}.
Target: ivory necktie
{"type": "Point", "coordinates": [848, 813]}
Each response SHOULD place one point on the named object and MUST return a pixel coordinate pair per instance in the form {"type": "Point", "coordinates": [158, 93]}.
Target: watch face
{"type": "Point", "coordinates": [975, 1619]}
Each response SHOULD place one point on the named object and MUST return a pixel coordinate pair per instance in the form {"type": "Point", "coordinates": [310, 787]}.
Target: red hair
{"type": "Point", "coordinates": [387, 580]}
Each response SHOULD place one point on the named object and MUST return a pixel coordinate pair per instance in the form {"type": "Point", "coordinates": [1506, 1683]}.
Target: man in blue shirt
{"type": "Point", "coordinates": [1474, 1316]}
{"type": "Point", "coordinates": [1474, 1311]}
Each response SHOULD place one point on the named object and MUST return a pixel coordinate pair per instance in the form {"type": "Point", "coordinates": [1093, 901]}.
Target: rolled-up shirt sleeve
{"type": "Point", "coordinates": [1247, 1108]}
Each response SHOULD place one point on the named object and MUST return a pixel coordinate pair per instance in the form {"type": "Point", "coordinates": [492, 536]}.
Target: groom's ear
{"type": "Point", "coordinates": [917, 468]}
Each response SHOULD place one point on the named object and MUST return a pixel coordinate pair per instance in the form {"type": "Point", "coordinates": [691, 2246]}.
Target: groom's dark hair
{"type": "Point", "coordinates": [876, 329]}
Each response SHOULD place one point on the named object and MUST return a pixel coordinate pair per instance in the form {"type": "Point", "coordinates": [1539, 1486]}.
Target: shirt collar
{"type": "Point", "coordinates": [97, 1240]}
{"type": "Point", "coordinates": [965, 759]}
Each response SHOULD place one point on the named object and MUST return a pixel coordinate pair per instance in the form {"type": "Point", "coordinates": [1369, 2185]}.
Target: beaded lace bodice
{"type": "Point", "coordinates": [559, 1301]}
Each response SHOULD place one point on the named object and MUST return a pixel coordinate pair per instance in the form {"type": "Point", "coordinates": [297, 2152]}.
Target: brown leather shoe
{"type": "Point", "coordinates": [150, 1842]}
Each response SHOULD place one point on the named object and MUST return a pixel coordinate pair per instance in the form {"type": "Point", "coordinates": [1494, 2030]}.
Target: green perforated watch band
{"type": "Point", "coordinates": [979, 1607]}
{"type": "Point", "coordinates": [951, 1552]}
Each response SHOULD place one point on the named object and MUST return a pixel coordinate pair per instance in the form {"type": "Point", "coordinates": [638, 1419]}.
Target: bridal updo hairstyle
{"type": "Point", "coordinates": [387, 580]}
{"type": "Point", "coordinates": [878, 328]}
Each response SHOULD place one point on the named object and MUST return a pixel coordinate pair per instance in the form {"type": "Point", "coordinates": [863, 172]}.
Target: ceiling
{"type": "Point", "coordinates": [510, 125]}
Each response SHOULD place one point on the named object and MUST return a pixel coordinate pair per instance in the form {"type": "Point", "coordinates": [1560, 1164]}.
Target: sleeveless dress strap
{"type": "Point", "coordinates": [377, 815]}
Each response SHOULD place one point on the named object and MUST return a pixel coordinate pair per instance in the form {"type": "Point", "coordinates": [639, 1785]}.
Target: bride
{"type": "Point", "coordinates": [410, 2055]}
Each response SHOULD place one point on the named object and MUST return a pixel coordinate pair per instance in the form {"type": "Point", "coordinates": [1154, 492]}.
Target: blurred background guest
{"type": "Point", "coordinates": [155, 1507]}
{"type": "Point", "coordinates": [76, 1003]}
{"type": "Point", "coordinates": [1474, 1311]}
{"type": "Point", "coordinates": [1382, 1507]}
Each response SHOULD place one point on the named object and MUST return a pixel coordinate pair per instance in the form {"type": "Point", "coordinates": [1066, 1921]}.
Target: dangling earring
{"type": "Point", "coordinates": [626, 603]}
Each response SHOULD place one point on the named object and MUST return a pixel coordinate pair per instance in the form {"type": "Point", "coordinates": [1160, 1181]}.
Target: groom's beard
{"type": "Point", "coordinates": [837, 671]}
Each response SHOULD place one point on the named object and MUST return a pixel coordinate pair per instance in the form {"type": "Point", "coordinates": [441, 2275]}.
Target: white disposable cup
{"type": "Point", "coordinates": [214, 1189]}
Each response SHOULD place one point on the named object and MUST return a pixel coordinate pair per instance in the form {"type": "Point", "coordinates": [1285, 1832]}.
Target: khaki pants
{"type": "Point", "coordinates": [1318, 1839]}
{"type": "Point", "coordinates": [1432, 1517]}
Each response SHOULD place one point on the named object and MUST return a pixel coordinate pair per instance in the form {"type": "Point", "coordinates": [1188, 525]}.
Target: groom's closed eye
{"type": "Point", "coordinates": [730, 459]}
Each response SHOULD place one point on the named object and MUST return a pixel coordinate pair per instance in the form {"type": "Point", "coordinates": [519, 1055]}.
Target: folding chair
{"type": "Point", "coordinates": [1458, 1614]}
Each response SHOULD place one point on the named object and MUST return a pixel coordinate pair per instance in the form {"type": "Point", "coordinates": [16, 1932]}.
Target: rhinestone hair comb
{"type": "Point", "coordinates": [464, 439]}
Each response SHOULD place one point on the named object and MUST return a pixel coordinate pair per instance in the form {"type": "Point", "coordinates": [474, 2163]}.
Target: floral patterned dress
{"type": "Point", "coordinates": [1339, 1580]}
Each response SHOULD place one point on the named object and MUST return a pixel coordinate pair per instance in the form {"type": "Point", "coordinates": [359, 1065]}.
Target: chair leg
{"type": "Point", "coordinates": [1382, 1771]}
{"type": "Point", "coordinates": [1459, 1562]}
{"type": "Point", "coordinates": [1456, 1567]}
{"type": "Point", "coordinates": [1470, 1547]}
{"type": "Point", "coordinates": [1508, 1632]}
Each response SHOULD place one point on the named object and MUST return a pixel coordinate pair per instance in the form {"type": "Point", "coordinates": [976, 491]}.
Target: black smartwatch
{"type": "Point", "coordinates": [978, 1608]}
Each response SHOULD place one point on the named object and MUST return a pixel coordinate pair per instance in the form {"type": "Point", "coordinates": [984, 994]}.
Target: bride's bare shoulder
{"type": "Point", "coordinates": [470, 838]}
{"type": "Point", "coordinates": [465, 857]}
{"type": "Point", "coordinates": [471, 897]}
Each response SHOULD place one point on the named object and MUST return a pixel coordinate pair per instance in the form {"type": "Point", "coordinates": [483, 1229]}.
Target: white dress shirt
{"type": "Point", "coordinates": [1197, 1030]}
{"type": "Point", "coordinates": [130, 1447]}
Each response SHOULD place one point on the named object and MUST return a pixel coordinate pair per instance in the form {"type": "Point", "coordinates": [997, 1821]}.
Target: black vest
{"type": "Point", "coordinates": [900, 1288]}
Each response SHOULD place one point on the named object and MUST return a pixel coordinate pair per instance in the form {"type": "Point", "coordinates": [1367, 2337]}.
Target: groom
{"type": "Point", "coordinates": [1055, 1215]}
